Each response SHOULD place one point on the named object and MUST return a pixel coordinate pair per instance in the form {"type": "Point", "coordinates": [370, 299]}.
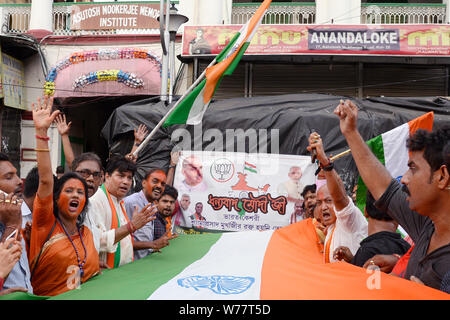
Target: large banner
{"type": "Point", "coordinates": [227, 191]}
{"type": "Point", "coordinates": [13, 82]}
{"type": "Point", "coordinates": [415, 40]}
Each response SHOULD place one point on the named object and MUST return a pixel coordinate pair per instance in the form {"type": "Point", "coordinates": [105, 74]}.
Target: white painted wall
{"type": "Point", "coordinates": [338, 11]}
{"type": "Point", "coordinates": [29, 142]}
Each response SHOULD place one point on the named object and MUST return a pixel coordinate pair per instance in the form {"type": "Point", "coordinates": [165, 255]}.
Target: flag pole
{"type": "Point", "coordinates": [340, 155]}
{"type": "Point", "coordinates": [160, 123]}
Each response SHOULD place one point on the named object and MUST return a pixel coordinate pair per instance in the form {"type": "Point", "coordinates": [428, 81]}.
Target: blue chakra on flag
{"type": "Point", "coordinates": [218, 284]}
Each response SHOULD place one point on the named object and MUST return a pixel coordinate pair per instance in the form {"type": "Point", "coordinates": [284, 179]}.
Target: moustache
{"type": "Point", "coordinates": [406, 190]}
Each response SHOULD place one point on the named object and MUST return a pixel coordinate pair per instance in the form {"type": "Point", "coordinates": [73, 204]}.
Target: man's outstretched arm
{"type": "Point", "coordinates": [372, 171]}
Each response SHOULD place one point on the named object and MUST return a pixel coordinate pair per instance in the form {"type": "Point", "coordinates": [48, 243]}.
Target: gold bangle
{"type": "Point", "coordinates": [42, 150]}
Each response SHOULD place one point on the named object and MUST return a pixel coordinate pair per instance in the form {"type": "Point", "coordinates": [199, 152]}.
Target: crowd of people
{"type": "Point", "coordinates": [58, 231]}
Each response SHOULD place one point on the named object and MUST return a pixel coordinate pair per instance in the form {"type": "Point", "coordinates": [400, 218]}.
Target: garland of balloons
{"type": "Point", "coordinates": [102, 75]}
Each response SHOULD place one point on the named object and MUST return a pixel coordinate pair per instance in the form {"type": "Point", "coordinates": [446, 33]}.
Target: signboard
{"type": "Point", "coordinates": [408, 40]}
{"type": "Point", "coordinates": [13, 82]}
{"type": "Point", "coordinates": [227, 191]}
{"type": "Point", "coordinates": [115, 16]}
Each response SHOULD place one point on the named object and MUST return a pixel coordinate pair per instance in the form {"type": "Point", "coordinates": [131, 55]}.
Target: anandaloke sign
{"type": "Point", "coordinates": [115, 16]}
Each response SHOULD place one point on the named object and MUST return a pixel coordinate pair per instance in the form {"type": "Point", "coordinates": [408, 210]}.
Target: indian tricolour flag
{"type": "Point", "coordinates": [191, 108]}
{"type": "Point", "coordinates": [390, 148]}
{"type": "Point", "coordinates": [286, 263]}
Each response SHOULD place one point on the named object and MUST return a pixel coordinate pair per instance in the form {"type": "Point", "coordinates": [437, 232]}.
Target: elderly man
{"type": "Point", "coordinates": [346, 225]}
{"type": "Point", "coordinates": [420, 203]}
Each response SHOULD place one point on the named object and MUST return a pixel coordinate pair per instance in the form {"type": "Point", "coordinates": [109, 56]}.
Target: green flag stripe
{"type": "Point", "coordinates": [181, 113]}
{"type": "Point", "coordinates": [139, 279]}
{"type": "Point", "coordinates": [250, 169]}
{"type": "Point", "coordinates": [376, 145]}
{"type": "Point", "coordinates": [224, 52]}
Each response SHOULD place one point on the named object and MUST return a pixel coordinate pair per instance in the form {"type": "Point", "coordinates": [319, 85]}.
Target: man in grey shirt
{"type": "Point", "coordinates": [152, 188]}
{"type": "Point", "coordinates": [421, 205]}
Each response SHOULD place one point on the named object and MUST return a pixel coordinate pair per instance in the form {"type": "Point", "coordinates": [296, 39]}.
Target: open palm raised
{"type": "Point", "coordinates": [42, 113]}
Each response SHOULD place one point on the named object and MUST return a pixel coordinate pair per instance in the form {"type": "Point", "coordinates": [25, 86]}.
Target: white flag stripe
{"type": "Point", "coordinates": [198, 109]}
{"type": "Point", "coordinates": [395, 152]}
{"type": "Point", "coordinates": [224, 259]}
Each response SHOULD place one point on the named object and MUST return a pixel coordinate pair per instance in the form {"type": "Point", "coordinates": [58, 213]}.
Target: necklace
{"type": "Point", "coordinates": [80, 264]}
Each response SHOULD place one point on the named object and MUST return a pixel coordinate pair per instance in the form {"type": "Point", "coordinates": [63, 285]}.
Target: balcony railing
{"type": "Point", "coordinates": [403, 13]}
{"type": "Point", "coordinates": [382, 13]}
{"type": "Point", "coordinates": [277, 13]}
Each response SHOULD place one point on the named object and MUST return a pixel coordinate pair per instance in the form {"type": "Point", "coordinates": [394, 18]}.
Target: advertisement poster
{"type": "Point", "coordinates": [227, 191]}
{"type": "Point", "coordinates": [391, 40]}
{"type": "Point", "coordinates": [13, 82]}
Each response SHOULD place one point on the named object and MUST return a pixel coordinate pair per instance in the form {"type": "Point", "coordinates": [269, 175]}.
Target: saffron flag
{"type": "Point", "coordinates": [282, 264]}
{"type": "Point", "coordinates": [191, 109]}
{"type": "Point", "coordinates": [390, 149]}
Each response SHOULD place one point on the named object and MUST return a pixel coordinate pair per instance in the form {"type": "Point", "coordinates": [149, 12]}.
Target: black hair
{"type": "Point", "coordinates": [446, 155]}
{"type": "Point", "coordinates": [59, 169]}
{"type": "Point", "coordinates": [4, 157]}
{"type": "Point", "coordinates": [57, 192]}
{"type": "Point", "coordinates": [87, 156]}
{"type": "Point", "coordinates": [121, 164]}
{"type": "Point", "coordinates": [31, 183]}
{"type": "Point", "coordinates": [170, 191]}
{"type": "Point", "coordinates": [149, 172]}
{"type": "Point", "coordinates": [432, 145]}
{"type": "Point", "coordinates": [373, 211]}
{"type": "Point", "coordinates": [309, 188]}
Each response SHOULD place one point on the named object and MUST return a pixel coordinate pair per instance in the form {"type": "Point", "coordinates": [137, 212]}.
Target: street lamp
{"type": "Point", "coordinates": [172, 24]}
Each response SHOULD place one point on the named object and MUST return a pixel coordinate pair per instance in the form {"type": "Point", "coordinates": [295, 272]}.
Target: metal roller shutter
{"type": "Point", "coordinates": [404, 80]}
{"type": "Point", "coordinates": [272, 79]}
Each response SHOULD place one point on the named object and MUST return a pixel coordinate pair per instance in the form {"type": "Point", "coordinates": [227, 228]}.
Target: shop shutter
{"type": "Point", "coordinates": [404, 80]}
{"type": "Point", "coordinates": [273, 79]}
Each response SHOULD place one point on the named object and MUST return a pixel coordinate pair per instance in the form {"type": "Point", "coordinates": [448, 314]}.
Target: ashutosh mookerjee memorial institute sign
{"type": "Point", "coordinates": [115, 16]}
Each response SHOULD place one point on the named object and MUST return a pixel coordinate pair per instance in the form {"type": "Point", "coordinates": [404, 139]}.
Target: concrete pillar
{"type": "Point", "coordinates": [41, 20]}
{"type": "Point", "coordinates": [447, 11]}
{"type": "Point", "coordinates": [206, 12]}
{"type": "Point", "coordinates": [338, 11]}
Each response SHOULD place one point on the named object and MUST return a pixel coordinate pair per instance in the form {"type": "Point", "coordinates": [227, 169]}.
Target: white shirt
{"type": "Point", "coordinates": [291, 188]}
{"type": "Point", "coordinates": [26, 214]}
{"type": "Point", "coordinates": [184, 187]}
{"type": "Point", "coordinates": [351, 228]}
{"type": "Point", "coordinates": [100, 212]}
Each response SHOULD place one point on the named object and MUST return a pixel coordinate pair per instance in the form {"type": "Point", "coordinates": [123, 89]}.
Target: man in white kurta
{"type": "Point", "coordinates": [346, 225]}
{"type": "Point", "coordinates": [349, 230]}
{"type": "Point", "coordinates": [101, 213]}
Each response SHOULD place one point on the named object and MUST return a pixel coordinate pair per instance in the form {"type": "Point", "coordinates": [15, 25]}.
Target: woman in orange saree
{"type": "Point", "coordinates": [62, 252]}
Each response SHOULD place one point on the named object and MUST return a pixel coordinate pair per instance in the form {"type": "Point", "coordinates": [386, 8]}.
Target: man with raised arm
{"type": "Point", "coordinates": [420, 204]}
{"type": "Point", "coordinates": [346, 225]}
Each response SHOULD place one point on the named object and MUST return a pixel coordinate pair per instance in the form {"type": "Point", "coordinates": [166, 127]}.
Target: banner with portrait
{"type": "Point", "coordinates": [228, 191]}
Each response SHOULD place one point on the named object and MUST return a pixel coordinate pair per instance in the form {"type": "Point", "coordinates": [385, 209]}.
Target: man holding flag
{"type": "Point", "coordinates": [421, 202]}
